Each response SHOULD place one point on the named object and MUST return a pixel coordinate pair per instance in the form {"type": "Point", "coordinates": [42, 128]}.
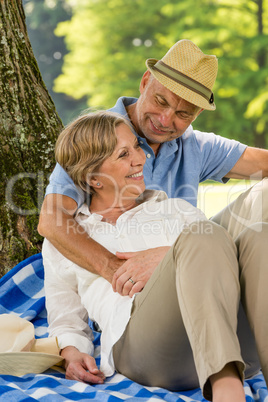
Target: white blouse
{"type": "Point", "coordinates": [73, 294]}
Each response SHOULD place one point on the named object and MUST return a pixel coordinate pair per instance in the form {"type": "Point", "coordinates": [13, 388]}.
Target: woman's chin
{"type": "Point", "coordinates": [140, 189]}
{"type": "Point", "coordinates": [134, 190]}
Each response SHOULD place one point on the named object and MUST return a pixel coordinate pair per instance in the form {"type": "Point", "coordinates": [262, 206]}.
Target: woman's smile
{"type": "Point", "coordinates": [138, 175]}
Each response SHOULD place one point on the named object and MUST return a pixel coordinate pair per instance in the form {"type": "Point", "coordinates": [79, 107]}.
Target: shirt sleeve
{"type": "Point", "coordinates": [218, 155]}
{"type": "Point", "coordinates": [67, 317]}
{"type": "Point", "coordinates": [61, 183]}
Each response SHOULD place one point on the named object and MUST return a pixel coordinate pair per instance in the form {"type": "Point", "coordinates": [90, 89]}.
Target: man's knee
{"type": "Point", "coordinates": [265, 191]}
{"type": "Point", "coordinates": [204, 236]}
{"type": "Point", "coordinates": [254, 238]}
{"type": "Point", "coordinates": [259, 200]}
{"type": "Point", "coordinates": [265, 184]}
{"type": "Point", "coordinates": [249, 208]}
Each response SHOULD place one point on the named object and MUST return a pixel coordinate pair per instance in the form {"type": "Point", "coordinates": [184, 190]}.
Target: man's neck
{"type": "Point", "coordinates": [131, 114]}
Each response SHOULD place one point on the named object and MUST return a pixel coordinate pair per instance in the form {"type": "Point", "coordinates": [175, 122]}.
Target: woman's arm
{"type": "Point", "coordinates": [68, 319]}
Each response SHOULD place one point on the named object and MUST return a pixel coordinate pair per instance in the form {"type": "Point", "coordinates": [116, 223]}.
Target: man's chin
{"type": "Point", "coordinates": [154, 138]}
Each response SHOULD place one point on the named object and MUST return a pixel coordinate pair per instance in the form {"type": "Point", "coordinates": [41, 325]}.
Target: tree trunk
{"type": "Point", "coordinates": [29, 127]}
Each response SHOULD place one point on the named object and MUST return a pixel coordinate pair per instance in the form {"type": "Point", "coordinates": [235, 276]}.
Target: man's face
{"type": "Point", "coordinates": [159, 115]}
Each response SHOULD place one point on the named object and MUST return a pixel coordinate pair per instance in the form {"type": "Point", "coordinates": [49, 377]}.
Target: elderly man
{"type": "Point", "coordinates": [173, 92]}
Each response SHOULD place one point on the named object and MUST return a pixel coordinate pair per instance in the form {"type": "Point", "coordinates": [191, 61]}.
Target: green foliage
{"type": "Point", "coordinates": [42, 17]}
{"type": "Point", "coordinates": [109, 41]}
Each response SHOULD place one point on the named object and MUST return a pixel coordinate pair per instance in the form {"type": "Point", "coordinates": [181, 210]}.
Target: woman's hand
{"type": "Point", "coordinates": [81, 366]}
{"type": "Point", "coordinates": [139, 268]}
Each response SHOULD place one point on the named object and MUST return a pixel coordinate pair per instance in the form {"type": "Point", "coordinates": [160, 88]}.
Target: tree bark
{"type": "Point", "coordinates": [29, 127]}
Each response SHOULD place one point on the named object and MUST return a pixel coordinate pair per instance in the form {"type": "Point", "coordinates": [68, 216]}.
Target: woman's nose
{"type": "Point", "coordinates": [139, 157]}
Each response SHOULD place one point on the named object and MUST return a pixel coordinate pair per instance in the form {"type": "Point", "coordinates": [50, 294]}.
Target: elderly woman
{"type": "Point", "coordinates": [180, 331]}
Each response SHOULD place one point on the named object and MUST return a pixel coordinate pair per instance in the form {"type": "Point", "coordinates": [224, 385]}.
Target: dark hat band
{"type": "Point", "coordinates": [184, 80]}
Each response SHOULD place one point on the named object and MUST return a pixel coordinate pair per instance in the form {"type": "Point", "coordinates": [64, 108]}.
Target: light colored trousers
{"type": "Point", "coordinates": [188, 323]}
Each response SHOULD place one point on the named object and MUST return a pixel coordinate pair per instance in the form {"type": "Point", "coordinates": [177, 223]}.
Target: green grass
{"type": "Point", "coordinates": [213, 197]}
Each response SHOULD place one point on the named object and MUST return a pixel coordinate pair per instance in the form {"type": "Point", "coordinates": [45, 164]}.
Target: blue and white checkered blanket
{"type": "Point", "coordinates": [22, 293]}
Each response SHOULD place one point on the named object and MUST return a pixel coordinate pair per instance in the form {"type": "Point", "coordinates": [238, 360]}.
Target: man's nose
{"type": "Point", "coordinates": [166, 118]}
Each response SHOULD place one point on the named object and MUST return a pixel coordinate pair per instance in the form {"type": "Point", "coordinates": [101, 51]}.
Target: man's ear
{"type": "Point", "coordinates": [144, 80]}
{"type": "Point", "coordinates": [198, 113]}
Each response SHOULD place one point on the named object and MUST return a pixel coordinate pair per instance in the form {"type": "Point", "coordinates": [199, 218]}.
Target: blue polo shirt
{"type": "Point", "coordinates": [178, 168]}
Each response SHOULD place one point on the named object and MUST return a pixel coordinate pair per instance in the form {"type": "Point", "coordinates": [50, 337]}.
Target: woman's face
{"type": "Point", "coordinates": [121, 175]}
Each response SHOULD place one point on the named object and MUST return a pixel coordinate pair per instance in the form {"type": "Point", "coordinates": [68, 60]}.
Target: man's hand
{"type": "Point", "coordinates": [114, 263]}
{"type": "Point", "coordinates": [139, 268]}
{"type": "Point", "coordinates": [81, 367]}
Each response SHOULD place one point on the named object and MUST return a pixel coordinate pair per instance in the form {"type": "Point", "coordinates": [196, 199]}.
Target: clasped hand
{"type": "Point", "coordinates": [138, 267]}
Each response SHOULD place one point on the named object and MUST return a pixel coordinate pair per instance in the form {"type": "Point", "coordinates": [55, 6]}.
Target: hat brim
{"type": "Point", "coordinates": [178, 89]}
{"type": "Point", "coordinates": [20, 363]}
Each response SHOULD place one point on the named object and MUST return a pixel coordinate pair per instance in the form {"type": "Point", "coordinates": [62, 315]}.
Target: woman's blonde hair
{"type": "Point", "coordinates": [86, 143]}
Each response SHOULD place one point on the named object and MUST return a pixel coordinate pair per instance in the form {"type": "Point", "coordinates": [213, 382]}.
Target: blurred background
{"type": "Point", "coordinates": [90, 52]}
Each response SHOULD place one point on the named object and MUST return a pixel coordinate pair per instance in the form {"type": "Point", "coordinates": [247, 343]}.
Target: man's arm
{"type": "Point", "coordinates": [70, 239]}
{"type": "Point", "coordinates": [58, 225]}
{"type": "Point", "coordinates": [253, 164]}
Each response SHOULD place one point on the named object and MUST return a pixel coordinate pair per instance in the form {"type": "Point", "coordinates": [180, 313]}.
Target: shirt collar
{"type": "Point", "coordinates": [146, 196]}
{"type": "Point", "coordinates": [122, 103]}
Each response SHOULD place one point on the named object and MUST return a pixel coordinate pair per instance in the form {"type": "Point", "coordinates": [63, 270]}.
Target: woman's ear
{"type": "Point", "coordinates": [94, 182]}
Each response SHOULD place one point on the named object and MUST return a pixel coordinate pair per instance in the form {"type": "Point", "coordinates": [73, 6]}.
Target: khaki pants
{"type": "Point", "coordinates": [249, 208]}
{"type": "Point", "coordinates": [187, 323]}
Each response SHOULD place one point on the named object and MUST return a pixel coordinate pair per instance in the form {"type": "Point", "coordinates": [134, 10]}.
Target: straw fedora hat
{"type": "Point", "coordinates": [188, 72]}
{"type": "Point", "coordinates": [20, 352]}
